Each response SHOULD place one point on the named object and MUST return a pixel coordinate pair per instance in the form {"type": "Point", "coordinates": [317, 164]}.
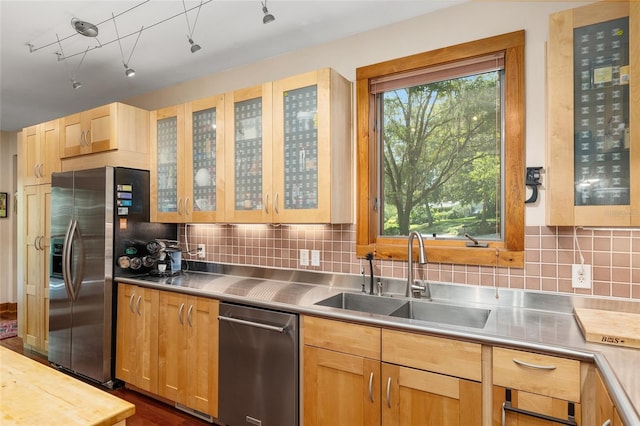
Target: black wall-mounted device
{"type": "Point", "coordinates": [532, 180]}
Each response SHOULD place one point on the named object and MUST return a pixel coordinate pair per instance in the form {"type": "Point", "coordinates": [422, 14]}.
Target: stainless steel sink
{"type": "Point", "coordinates": [363, 303]}
{"type": "Point", "coordinates": [443, 314]}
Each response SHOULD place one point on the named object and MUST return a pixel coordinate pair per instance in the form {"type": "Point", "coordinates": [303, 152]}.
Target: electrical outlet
{"type": "Point", "coordinates": [201, 252]}
{"type": "Point", "coordinates": [304, 257]}
{"type": "Point", "coordinates": [581, 276]}
{"type": "Point", "coordinates": [315, 257]}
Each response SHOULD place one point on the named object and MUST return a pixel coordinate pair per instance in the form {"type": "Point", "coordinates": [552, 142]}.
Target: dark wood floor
{"type": "Point", "coordinates": [148, 411]}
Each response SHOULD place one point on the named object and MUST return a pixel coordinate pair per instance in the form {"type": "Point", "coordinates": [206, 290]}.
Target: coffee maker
{"type": "Point", "coordinates": [167, 256]}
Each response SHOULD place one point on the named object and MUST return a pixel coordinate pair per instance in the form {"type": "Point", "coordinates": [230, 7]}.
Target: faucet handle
{"type": "Point", "coordinates": [418, 288]}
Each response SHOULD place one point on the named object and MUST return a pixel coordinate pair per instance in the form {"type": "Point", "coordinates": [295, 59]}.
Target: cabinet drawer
{"type": "Point", "coordinates": [340, 336]}
{"type": "Point", "coordinates": [445, 356]}
{"type": "Point", "coordinates": [541, 374]}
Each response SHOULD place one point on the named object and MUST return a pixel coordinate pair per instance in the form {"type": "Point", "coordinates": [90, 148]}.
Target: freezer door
{"type": "Point", "coordinates": [59, 300]}
{"type": "Point", "coordinates": [91, 260]}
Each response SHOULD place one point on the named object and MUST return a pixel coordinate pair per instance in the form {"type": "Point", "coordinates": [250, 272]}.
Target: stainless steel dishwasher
{"type": "Point", "coordinates": [258, 366]}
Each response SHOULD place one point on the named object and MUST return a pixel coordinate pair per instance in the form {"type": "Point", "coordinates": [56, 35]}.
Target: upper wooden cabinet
{"type": "Point", "coordinates": [248, 194]}
{"type": "Point", "coordinates": [312, 148]}
{"type": "Point", "coordinates": [289, 151]}
{"type": "Point", "coordinates": [187, 151]}
{"type": "Point", "coordinates": [41, 152]}
{"type": "Point", "coordinates": [105, 128]}
{"type": "Point", "coordinates": [593, 155]}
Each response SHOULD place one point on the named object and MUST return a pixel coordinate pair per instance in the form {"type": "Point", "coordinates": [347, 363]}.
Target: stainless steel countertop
{"type": "Point", "coordinates": [541, 322]}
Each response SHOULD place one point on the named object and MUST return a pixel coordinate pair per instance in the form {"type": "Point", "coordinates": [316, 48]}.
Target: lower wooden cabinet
{"type": "Point", "coordinates": [606, 412]}
{"type": "Point", "coordinates": [349, 378]}
{"type": "Point", "coordinates": [340, 388]}
{"type": "Point", "coordinates": [137, 337]}
{"type": "Point", "coordinates": [33, 302]}
{"type": "Point", "coordinates": [167, 344]}
{"type": "Point", "coordinates": [417, 397]}
{"type": "Point", "coordinates": [188, 351]}
{"type": "Point", "coordinates": [535, 383]}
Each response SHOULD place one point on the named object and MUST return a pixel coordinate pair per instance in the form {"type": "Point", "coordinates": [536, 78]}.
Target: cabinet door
{"type": "Point", "coordinates": [340, 389]}
{"type": "Point", "coordinates": [593, 161]}
{"type": "Point", "coordinates": [34, 309]}
{"type": "Point", "coordinates": [73, 136]}
{"type": "Point", "coordinates": [41, 157]}
{"type": "Point", "coordinates": [100, 133]}
{"type": "Point", "coordinates": [167, 157]}
{"type": "Point", "coordinates": [536, 403]}
{"type": "Point", "coordinates": [126, 334]}
{"type": "Point", "coordinates": [312, 149]}
{"type": "Point", "coordinates": [204, 141]}
{"type": "Point", "coordinates": [202, 355]}
{"type": "Point", "coordinates": [137, 337]}
{"type": "Point", "coordinates": [249, 195]}
{"type": "Point", "coordinates": [32, 143]}
{"type": "Point", "coordinates": [50, 150]}
{"type": "Point", "coordinates": [172, 346]}
{"type": "Point", "coordinates": [411, 397]}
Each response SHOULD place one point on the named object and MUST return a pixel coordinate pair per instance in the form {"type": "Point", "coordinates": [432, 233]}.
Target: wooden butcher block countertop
{"type": "Point", "coordinates": [33, 394]}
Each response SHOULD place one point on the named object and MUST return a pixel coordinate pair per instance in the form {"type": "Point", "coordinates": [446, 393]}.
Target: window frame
{"type": "Point", "coordinates": [510, 251]}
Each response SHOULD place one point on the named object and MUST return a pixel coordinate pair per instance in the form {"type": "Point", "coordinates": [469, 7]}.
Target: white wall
{"type": "Point", "coordinates": [458, 24]}
{"type": "Point", "coordinates": [8, 226]}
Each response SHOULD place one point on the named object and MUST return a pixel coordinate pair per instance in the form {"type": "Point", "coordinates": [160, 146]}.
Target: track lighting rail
{"type": "Point", "coordinates": [62, 57]}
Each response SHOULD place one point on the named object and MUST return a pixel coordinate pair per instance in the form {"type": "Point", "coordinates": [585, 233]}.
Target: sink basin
{"type": "Point", "coordinates": [363, 303]}
{"type": "Point", "coordinates": [443, 314]}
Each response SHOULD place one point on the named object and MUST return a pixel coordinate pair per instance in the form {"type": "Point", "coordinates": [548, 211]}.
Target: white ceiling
{"type": "Point", "coordinates": [36, 86]}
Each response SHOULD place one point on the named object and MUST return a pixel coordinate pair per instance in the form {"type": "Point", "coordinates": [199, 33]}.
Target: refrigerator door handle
{"type": "Point", "coordinates": [77, 278]}
{"type": "Point", "coordinates": [72, 281]}
{"type": "Point", "coordinates": [66, 259]}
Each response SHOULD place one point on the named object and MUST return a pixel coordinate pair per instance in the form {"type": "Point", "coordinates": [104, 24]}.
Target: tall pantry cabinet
{"type": "Point", "coordinates": [38, 153]}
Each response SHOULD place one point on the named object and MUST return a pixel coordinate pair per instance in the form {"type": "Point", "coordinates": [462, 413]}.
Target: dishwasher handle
{"type": "Point", "coordinates": [254, 324]}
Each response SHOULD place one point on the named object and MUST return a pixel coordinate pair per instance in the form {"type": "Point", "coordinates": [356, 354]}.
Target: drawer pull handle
{"type": "Point", "coordinates": [138, 305]}
{"type": "Point", "coordinates": [506, 406]}
{"type": "Point", "coordinates": [537, 367]}
{"type": "Point", "coordinates": [371, 387]}
{"type": "Point", "coordinates": [607, 422]}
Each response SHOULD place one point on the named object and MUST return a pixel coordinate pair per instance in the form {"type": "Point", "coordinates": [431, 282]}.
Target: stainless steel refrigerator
{"type": "Point", "coordinates": [97, 215]}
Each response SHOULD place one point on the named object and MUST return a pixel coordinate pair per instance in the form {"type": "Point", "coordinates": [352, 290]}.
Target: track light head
{"type": "Point", "coordinates": [194, 46]}
{"type": "Point", "coordinates": [129, 72]}
{"type": "Point", "coordinates": [76, 84]}
{"type": "Point", "coordinates": [267, 18]}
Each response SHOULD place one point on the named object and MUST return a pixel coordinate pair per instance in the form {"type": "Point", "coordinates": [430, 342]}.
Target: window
{"type": "Point", "coordinates": [441, 151]}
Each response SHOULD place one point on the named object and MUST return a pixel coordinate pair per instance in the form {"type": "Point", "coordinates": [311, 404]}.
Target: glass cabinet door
{"type": "Point", "coordinates": [312, 167]}
{"type": "Point", "coordinates": [601, 113]}
{"type": "Point", "coordinates": [205, 120]}
{"type": "Point", "coordinates": [248, 154]}
{"type": "Point", "coordinates": [167, 200]}
{"type": "Point", "coordinates": [593, 162]}
{"type": "Point", "coordinates": [300, 148]}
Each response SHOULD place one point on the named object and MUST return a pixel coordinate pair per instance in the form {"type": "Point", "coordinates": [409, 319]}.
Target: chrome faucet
{"type": "Point", "coordinates": [411, 286]}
